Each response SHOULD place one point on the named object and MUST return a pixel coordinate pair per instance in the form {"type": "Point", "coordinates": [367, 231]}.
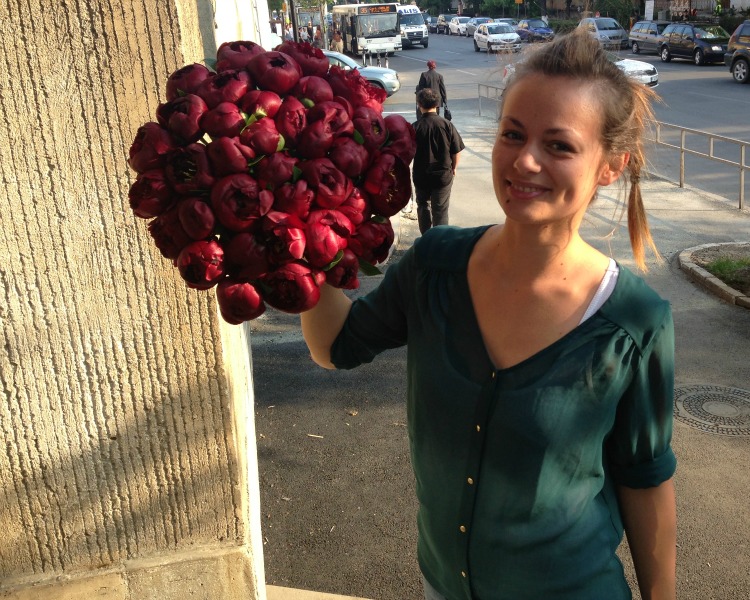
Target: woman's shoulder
{"type": "Point", "coordinates": [447, 247]}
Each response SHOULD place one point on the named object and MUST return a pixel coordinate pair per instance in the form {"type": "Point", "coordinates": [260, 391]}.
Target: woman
{"type": "Point", "coordinates": [540, 372]}
{"type": "Point", "coordinates": [337, 42]}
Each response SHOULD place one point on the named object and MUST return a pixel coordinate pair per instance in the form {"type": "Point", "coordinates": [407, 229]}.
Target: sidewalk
{"type": "Point", "coordinates": [339, 509]}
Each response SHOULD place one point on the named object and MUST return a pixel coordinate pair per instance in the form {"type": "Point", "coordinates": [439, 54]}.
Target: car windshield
{"type": "Point", "coordinates": [536, 23]}
{"type": "Point", "coordinates": [499, 28]}
{"type": "Point", "coordinates": [607, 24]}
{"type": "Point", "coordinates": [412, 19]}
{"type": "Point", "coordinates": [463, 19]}
{"type": "Point", "coordinates": [711, 32]}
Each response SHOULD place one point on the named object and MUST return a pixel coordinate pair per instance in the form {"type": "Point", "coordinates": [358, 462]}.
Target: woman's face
{"type": "Point", "coordinates": [548, 159]}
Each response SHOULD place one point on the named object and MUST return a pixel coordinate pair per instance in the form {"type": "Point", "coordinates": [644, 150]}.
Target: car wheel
{"type": "Point", "coordinates": [425, 43]}
{"type": "Point", "coordinates": [476, 46]}
{"type": "Point", "coordinates": [741, 71]}
{"type": "Point", "coordinates": [698, 58]}
{"type": "Point", "coordinates": [665, 55]}
{"type": "Point", "coordinates": [636, 49]}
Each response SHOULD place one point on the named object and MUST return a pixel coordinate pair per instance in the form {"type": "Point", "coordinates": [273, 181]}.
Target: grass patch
{"type": "Point", "coordinates": [732, 271]}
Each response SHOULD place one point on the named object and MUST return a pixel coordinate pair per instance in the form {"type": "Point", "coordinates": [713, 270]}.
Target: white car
{"type": "Point", "coordinates": [457, 26]}
{"type": "Point", "coordinates": [497, 37]}
{"type": "Point", "coordinates": [638, 70]}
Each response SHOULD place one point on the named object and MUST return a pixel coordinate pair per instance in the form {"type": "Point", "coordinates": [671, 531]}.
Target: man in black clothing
{"type": "Point", "coordinates": [434, 166]}
{"type": "Point", "coordinates": [433, 80]}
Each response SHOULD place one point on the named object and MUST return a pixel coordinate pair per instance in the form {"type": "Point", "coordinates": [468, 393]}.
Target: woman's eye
{"type": "Point", "coordinates": [510, 135]}
{"type": "Point", "coordinates": [561, 147]}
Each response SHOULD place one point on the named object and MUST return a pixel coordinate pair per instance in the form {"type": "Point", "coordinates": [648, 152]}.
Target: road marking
{"type": "Point", "coordinates": [467, 72]}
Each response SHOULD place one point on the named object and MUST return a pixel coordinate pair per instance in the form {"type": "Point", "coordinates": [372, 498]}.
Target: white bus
{"type": "Point", "coordinates": [368, 29]}
{"type": "Point", "coordinates": [413, 29]}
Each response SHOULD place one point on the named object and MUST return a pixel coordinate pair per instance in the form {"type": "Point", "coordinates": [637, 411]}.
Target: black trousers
{"type": "Point", "coordinates": [432, 207]}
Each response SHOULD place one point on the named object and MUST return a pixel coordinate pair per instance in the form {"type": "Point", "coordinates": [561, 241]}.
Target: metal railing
{"type": "Point", "coordinates": [741, 147]}
{"type": "Point", "coordinates": [494, 93]}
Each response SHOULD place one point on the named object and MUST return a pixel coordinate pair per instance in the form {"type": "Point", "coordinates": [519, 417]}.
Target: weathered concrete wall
{"type": "Point", "coordinates": [124, 401]}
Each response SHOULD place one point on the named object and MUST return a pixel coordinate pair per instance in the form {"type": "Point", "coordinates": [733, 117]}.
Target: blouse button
{"type": "Point", "coordinates": [493, 375]}
{"type": "Point", "coordinates": [470, 481]}
{"type": "Point", "coordinates": [463, 573]}
{"type": "Point", "coordinates": [462, 529]}
{"type": "Point", "coordinates": [478, 428]}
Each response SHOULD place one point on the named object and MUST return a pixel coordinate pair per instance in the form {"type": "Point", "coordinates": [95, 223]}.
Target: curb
{"type": "Point", "coordinates": [711, 283]}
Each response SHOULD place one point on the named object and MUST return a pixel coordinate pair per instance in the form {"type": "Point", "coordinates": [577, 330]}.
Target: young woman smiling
{"type": "Point", "coordinates": [540, 371]}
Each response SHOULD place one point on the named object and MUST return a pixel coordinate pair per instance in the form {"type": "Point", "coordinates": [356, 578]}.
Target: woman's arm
{"type": "Point", "coordinates": [322, 323]}
{"type": "Point", "coordinates": [650, 519]}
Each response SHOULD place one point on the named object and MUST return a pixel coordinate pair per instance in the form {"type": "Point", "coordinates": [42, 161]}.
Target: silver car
{"type": "Point", "coordinates": [381, 77]}
{"type": "Point", "coordinates": [608, 31]}
{"type": "Point", "coordinates": [497, 37]}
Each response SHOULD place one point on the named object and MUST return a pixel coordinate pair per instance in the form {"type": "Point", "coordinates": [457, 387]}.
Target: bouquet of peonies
{"type": "Point", "coordinates": [270, 175]}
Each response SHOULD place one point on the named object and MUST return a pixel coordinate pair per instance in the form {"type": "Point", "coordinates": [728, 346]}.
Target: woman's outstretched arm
{"type": "Point", "coordinates": [322, 323]}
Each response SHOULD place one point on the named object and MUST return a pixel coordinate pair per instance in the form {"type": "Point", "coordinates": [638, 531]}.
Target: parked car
{"type": "Point", "coordinates": [497, 37]}
{"type": "Point", "coordinates": [474, 23]}
{"type": "Point", "coordinates": [442, 23]}
{"type": "Point", "coordinates": [638, 70]}
{"type": "Point", "coordinates": [534, 30]}
{"type": "Point", "coordinates": [457, 26]}
{"type": "Point", "coordinates": [508, 20]}
{"type": "Point", "coordinates": [431, 23]}
{"type": "Point", "coordinates": [700, 42]}
{"type": "Point", "coordinates": [644, 36]}
{"type": "Point", "coordinates": [381, 77]}
{"type": "Point", "coordinates": [737, 56]}
{"type": "Point", "coordinates": [608, 31]}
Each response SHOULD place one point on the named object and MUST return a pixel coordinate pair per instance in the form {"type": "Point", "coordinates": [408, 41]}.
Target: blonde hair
{"type": "Point", "coordinates": [625, 108]}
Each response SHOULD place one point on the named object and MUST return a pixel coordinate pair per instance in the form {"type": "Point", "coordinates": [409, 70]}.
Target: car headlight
{"type": "Point", "coordinates": [390, 76]}
{"type": "Point", "coordinates": [716, 48]}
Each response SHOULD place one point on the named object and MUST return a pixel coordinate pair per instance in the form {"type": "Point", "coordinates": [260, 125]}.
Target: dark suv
{"type": "Point", "coordinates": [442, 23]}
{"type": "Point", "coordinates": [737, 56]}
{"type": "Point", "coordinates": [644, 36]}
{"type": "Point", "coordinates": [700, 42]}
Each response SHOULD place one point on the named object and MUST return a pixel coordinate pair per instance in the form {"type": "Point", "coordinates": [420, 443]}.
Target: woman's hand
{"type": "Point", "coordinates": [322, 323]}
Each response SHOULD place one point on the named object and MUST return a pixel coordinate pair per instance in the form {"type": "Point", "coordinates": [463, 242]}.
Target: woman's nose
{"type": "Point", "coordinates": [526, 160]}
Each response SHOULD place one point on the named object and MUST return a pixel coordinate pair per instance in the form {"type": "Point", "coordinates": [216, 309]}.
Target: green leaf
{"type": "Point", "coordinates": [296, 174]}
{"type": "Point", "coordinates": [358, 137]}
{"type": "Point", "coordinates": [378, 219]}
{"type": "Point", "coordinates": [255, 161]}
{"type": "Point", "coordinates": [335, 261]}
{"type": "Point", "coordinates": [308, 103]}
{"type": "Point", "coordinates": [368, 268]}
{"type": "Point", "coordinates": [280, 145]}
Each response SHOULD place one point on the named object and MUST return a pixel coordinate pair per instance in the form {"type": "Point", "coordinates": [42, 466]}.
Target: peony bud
{"type": "Point", "coordinates": [246, 257]}
{"type": "Point", "coordinates": [356, 89]}
{"type": "Point", "coordinates": [334, 114]}
{"type": "Point", "coordinates": [237, 202]}
{"type": "Point", "coordinates": [274, 71]}
{"type": "Point", "coordinates": [228, 155]}
{"type": "Point", "coordinates": [188, 169]}
{"type": "Point", "coordinates": [168, 234]}
{"type": "Point", "coordinates": [372, 240]}
{"type": "Point", "coordinates": [292, 288]}
{"type": "Point", "coordinates": [225, 120]}
{"type": "Point", "coordinates": [331, 186]}
{"type": "Point", "coordinates": [201, 264]}
{"type": "Point", "coordinates": [291, 120]}
{"type": "Point", "coordinates": [371, 127]}
{"type": "Point", "coordinates": [356, 207]}
{"type": "Point", "coordinates": [351, 158]}
{"type": "Point", "coordinates": [294, 198]}
{"type": "Point", "coordinates": [315, 140]}
{"type": "Point", "coordinates": [196, 218]}
{"type": "Point", "coordinates": [388, 184]}
{"type": "Point", "coordinates": [238, 301]}
{"type": "Point", "coordinates": [186, 80]}
{"type": "Point", "coordinates": [227, 86]}
{"type": "Point", "coordinates": [344, 273]}
{"type": "Point", "coordinates": [262, 137]}
{"type": "Point", "coordinates": [311, 60]}
{"type": "Point", "coordinates": [261, 103]}
{"type": "Point", "coordinates": [236, 55]}
{"type": "Point", "coordinates": [313, 89]}
{"type": "Point", "coordinates": [150, 194]}
{"type": "Point", "coordinates": [327, 232]}
{"type": "Point", "coordinates": [285, 235]}
{"type": "Point", "coordinates": [181, 117]}
{"type": "Point", "coordinates": [275, 169]}
{"type": "Point", "coordinates": [402, 139]}
{"type": "Point", "coordinates": [149, 149]}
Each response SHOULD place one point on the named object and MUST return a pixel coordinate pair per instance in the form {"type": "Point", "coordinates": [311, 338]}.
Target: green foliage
{"type": "Point", "coordinates": [499, 8]}
{"type": "Point", "coordinates": [563, 25]}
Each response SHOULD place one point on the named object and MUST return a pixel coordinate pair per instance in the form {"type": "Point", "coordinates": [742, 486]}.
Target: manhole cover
{"type": "Point", "coordinates": [714, 409]}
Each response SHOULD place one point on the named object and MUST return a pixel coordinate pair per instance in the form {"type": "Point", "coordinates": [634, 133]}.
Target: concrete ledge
{"type": "Point", "coordinates": [707, 280]}
{"type": "Point", "coordinates": [280, 593]}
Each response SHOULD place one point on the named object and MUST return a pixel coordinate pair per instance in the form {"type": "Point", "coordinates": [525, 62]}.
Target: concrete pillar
{"type": "Point", "coordinates": [128, 467]}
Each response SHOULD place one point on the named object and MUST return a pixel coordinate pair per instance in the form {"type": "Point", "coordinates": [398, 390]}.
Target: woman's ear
{"type": "Point", "coordinates": [613, 168]}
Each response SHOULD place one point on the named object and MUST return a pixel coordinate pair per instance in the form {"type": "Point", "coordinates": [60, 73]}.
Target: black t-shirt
{"type": "Point", "coordinates": [437, 140]}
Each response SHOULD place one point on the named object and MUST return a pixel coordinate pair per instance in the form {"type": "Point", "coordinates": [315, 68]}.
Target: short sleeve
{"type": "Point", "coordinates": [457, 143]}
{"type": "Point", "coordinates": [377, 321]}
{"type": "Point", "coordinates": [639, 449]}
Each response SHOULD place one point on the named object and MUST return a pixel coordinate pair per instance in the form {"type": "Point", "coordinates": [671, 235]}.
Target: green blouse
{"type": "Point", "coordinates": [516, 468]}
